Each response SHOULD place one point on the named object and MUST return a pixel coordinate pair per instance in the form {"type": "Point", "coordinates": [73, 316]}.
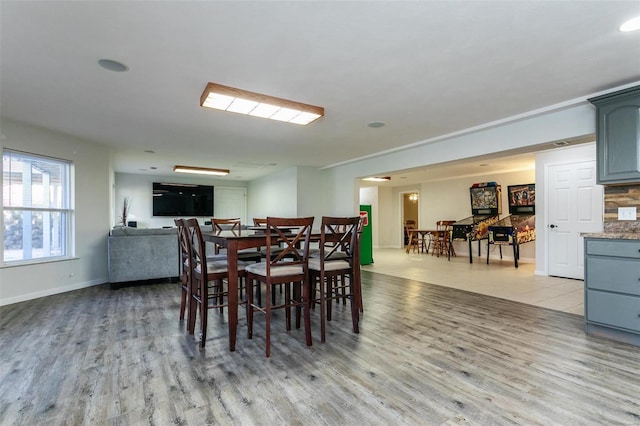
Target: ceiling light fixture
{"type": "Point", "coordinates": [230, 99]}
{"type": "Point", "coordinates": [200, 170]}
{"type": "Point", "coordinates": [630, 25]}
{"type": "Point", "coordinates": [378, 179]}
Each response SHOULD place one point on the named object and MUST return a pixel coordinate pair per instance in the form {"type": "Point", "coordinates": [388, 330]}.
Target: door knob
{"type": "Point", "coordinates": [552, 226]}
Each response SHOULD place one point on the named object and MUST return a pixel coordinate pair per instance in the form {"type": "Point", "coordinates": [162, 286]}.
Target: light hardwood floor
{"type": "Point", "coordinates": [499, 278]}
{"type": "Point", "coordinates": [426, 355]}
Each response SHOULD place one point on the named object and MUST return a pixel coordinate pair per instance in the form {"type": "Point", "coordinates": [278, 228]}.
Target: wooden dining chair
{"type": "Point", "coordinates": [411, 235]}
{"type": "Point", "coordinates": [275, 248]}
{"type": "Point", "coordinates": [233, 226]}
{"type": "Point", "coordinates": [289, 268]}
{"type": "Point", "coordinates": [334, 274]}
{"type": "Point", "coordinates": [208, 280]}
{"type": "Point", "coordinates": [184, 254]}
{"type": "Point", "coordinates": [442, 238]}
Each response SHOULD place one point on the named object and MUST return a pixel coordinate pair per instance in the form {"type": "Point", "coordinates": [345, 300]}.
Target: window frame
{"type": "Point", "coordinates": [66, 210]}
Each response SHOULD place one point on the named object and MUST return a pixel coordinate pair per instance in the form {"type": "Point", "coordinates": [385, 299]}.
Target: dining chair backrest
{"type": "Point", "coordinates": [219, 225]}
{"type": "Point", "coordinates": [184, 255]}
{"type": "Point", "coordinates": [183, 245]}
{"type": "Point", "coordinates": [234, 225]}
{"type": "Point", "coordinates": [294, 235]}
{"type": "Point", "coordinates": [259, 221]}
{"type": "Point", "coordinates": [339, 237]}
{"type": "Point", "coordinates": [198, 249]}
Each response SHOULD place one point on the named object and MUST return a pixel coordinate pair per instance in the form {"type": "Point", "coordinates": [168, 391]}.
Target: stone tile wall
{"type": "Point", "coordinates": [621, 196]}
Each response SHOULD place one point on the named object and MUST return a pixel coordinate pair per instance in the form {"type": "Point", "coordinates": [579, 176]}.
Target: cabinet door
{"type": "Point", "coordinates": [615, 310]}
{"type": "Point", "coordinates": [613, 274]}
{"type": "Point", "coordinates": [619, 141]}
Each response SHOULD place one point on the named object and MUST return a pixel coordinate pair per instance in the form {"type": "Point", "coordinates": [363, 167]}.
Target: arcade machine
{"type": "Point", "coordinates": [486, 208]}
{"type": "Point", "coordinates": [520, 226]}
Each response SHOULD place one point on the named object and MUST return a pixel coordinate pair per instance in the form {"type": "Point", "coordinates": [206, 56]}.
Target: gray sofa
{"type": "Point", "coordinates": [141, 254]}
{"type": "Point", "coordinates": [137, 254]}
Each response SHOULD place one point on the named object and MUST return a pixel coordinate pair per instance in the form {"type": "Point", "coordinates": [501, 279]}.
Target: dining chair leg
{"type": "Point", "coordinates": [183, 303]}
{"type": "Point", "coordinates": [192, 311]}
{"type": "Point", "coordinates": [287, 309]}
{"type": "Point", "coordinates": [323, 307]}
{"type": "Point", "coordinates": [307, 314]}
{"type": "Point", "coordinates": [203, 313]}
{"type": "Point", "coordinates": [297, 296]}
{"type": "Point", "coordinates": [328, 292]}
{"type": "Point", "coordinates": [268, 325]}
{"type": "Point", "coordinates": [355, 312]}
{"type": "Point", "coordinates": [220, 295]}
{"type": "Point", "coordinates": [249, 308]}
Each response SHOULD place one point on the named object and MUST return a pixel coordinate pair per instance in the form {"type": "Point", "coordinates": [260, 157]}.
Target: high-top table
{"type": "Point", "coordinates": [234, 243]}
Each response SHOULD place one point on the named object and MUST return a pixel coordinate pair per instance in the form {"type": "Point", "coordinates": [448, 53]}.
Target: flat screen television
{"type": "Point", "coordinates": [182, 200]}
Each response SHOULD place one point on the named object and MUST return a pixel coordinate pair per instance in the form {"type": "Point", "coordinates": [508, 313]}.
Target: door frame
{"type": "Point", "coordinates": [401, 195]}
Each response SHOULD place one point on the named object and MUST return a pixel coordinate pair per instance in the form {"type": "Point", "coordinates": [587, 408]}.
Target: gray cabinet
{"type": "Point", "coordinates": [618, 136]}
{"type": "Point", "coordinates": [612, 289]}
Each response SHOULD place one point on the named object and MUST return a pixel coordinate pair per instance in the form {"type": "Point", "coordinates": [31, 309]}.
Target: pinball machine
{"type": "Point", "coordinates": [485, 209]}
{"type": "Point", "coordinates": [520, 226]}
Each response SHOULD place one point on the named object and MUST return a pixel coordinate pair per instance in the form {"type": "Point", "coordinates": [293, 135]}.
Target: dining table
{"type": "Point", "coordinates": [234, 242]}
{"type": "Point", "coordinates": [423, 233]}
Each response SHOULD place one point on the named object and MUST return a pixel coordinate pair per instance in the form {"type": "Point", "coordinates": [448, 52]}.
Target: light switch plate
{"type": "Point", "coordinates": [626, 213]}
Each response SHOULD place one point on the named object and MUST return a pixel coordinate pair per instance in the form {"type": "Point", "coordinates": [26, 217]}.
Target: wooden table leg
{"type": "Point", "coordinates": [232, 270]}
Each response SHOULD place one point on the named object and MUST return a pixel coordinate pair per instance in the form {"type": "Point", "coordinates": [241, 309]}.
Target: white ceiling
{"type": "Point", "coordinates": [424, 68]}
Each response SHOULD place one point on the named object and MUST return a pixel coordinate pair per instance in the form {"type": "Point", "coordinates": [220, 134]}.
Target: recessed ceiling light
{"type": "Point", "coordinates": [111, 65]}
{"type": "Point", "coordinates": [376, 124]}
{"type": "Point", "coordinates": [631, 25]}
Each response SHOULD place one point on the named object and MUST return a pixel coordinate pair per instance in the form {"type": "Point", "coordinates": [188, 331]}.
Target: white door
{"type": "Point", "coordinates": [575, 205]}
{"type": "Point", "coordinates": [230, 203]}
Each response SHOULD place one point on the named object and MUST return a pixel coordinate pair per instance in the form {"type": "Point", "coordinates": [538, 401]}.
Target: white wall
{"type": "Point", "coordinates": [274, 195]}
{"type": "Point", "coordinates": [139, 189]}
{"type": "Point", "coordinates": [92, 215]}
{"type": "Point", "coordinates": [310, 201]}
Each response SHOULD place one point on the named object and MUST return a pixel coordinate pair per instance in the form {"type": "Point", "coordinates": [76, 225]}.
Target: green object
{"type": "Point", "coordinates": [366, 239]}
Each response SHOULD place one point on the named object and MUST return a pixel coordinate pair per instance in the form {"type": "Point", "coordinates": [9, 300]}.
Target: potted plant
{"type": "Point", "coordinates": [126, 204]}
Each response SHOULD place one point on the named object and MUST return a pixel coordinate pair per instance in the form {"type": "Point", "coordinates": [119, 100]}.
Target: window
{"type": "Point", "coordinates": [36, 208]}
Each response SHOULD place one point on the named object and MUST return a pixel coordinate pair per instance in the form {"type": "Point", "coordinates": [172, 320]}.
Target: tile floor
{"type": "Point", "coordinates": [498, 278]}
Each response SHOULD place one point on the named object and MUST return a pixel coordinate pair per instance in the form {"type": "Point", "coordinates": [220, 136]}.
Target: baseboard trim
{"type": "Point", "coordinates": [50, 291]}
